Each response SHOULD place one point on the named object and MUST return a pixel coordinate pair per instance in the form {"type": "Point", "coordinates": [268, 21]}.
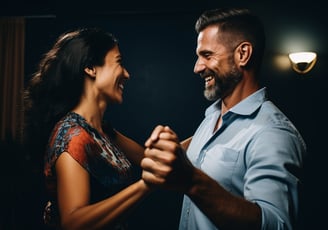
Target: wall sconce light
{"type": "Point", "coordinates": [302, 62]}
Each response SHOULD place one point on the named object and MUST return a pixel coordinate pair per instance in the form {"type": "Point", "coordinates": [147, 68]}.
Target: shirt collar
{"type": "Point", "coordinates": [245, 107]}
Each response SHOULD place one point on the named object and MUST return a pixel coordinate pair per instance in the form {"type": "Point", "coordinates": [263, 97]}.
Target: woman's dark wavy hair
{"type": "Point", "coordinates": [241, 24]}
{"type": "Point", "coordinates": [56, 87]}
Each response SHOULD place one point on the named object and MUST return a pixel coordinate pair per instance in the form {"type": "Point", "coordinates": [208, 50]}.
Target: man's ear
{"type": "Point", "coordinates": [90, 71]}
{"type": "Point", "coordinates": [243, 53]}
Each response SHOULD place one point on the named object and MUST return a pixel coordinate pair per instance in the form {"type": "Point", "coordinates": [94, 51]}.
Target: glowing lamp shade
{"type": "Point", "coordinates": [302, 62]}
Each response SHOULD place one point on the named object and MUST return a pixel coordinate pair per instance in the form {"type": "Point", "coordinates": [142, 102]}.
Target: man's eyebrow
{"type": "Point", "coordinates": [118, 57]}
{"type": "Point", "coordinates": [205, 52]}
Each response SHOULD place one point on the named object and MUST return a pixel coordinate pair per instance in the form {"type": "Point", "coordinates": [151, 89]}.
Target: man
{"type": "Point", "coordinates": [241, 169]}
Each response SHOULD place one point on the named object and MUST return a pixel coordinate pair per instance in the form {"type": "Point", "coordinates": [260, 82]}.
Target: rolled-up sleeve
{"type": "Point", "coordinates": [273, 178]}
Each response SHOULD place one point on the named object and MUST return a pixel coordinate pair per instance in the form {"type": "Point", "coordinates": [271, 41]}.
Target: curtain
{"type": "Point", "coordinates": [12, 41]}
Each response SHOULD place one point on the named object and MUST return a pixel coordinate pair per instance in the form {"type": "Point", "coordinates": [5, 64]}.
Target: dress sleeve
{"type": "Point", "coordinates": [74, 140]}
{"type": "Point", "coordinates": [80, 144]}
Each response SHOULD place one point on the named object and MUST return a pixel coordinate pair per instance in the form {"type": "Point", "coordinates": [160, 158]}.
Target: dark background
{"type": "Point", "coordinates": [158, 42]}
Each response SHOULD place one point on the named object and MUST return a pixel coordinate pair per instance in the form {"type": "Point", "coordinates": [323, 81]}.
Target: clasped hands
{"type": "Point", "coordinates": [165, 163]}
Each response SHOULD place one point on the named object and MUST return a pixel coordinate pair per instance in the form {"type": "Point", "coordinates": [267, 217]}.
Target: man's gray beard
{"type": "Point", "coordinates": [212, 93]}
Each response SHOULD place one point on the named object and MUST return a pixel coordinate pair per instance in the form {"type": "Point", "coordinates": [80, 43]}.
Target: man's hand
{"type": "Point", "coordinates": [165, 163]}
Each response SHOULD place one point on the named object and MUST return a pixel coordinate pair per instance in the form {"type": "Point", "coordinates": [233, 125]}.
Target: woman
{"type": "Point", "coordinates": [89, 168]}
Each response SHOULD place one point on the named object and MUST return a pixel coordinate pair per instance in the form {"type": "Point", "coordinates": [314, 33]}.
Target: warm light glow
{"type": "Point", "coordinates": [303, 62]}
{"type": "Point", "coordinates": [281, 62]}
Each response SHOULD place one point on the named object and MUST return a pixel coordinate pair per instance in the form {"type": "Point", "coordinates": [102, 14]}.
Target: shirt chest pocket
{"type": "Point", "coordinates": [220, 163]}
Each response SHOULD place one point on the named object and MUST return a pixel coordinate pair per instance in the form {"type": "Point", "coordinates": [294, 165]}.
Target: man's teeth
{"type": "Point", "coordinates": [121, 86]}
{"type": "Point", "coordinates": [207, 79]}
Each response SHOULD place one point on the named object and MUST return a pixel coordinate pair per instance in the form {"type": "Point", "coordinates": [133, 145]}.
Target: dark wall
{"type": "Point", "coordinates": [158, 48]}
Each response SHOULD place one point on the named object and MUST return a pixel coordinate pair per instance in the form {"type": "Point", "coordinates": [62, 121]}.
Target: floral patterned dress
{"type": "Point", "coordinates": [110, 171]}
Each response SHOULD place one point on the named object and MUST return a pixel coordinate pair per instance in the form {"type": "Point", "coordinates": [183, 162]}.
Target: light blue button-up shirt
{"type": "Point", "coordinates": [257, 154]}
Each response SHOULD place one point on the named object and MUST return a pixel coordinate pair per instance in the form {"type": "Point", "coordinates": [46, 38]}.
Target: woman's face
{"type": "Point", "coordinates": [110, 77]}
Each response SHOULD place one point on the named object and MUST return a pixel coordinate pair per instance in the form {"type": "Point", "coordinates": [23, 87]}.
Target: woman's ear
{"type": "Point", "coordinates": [243, 53]}
{"type": "Point", "coordinates": [90, 71]}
